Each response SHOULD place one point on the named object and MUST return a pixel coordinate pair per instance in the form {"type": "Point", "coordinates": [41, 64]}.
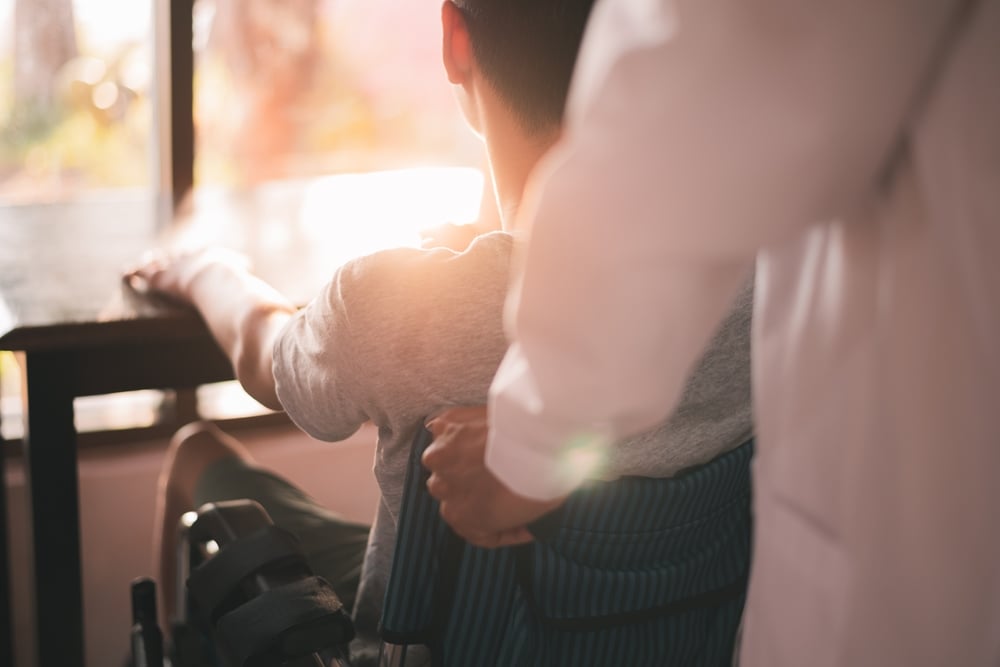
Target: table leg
{"type": "Point", "coordinates": [6, 621]}
{"type": "Point", "coordinates": [50, 457]}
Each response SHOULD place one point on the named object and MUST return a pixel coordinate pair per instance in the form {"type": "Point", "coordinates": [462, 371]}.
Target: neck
{"type": "Point", "coordinates": [513, 154]}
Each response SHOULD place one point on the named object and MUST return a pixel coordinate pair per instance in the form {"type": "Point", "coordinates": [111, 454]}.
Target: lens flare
{"type": "Point", "coordinates": [584, 458]}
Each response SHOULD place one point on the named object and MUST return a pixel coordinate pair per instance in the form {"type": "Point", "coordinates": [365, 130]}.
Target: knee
{"type": "Point", "coordinates": [207, 439]}
{"type": "Point", "coordinates": [195, 432]}
{"type": "Point", "coordinates": [196, 446]}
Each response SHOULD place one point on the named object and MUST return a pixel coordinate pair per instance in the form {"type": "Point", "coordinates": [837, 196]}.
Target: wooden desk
{"type": "Point", "coordinates": [82, 332]}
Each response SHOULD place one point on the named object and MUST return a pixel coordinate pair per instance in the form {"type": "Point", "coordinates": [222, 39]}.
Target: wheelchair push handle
{"type": "Point", "coordinates": [146, 637]}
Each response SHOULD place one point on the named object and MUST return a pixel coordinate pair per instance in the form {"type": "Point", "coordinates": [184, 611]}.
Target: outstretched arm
{"type": "Point", "coordinates": [243, 312]}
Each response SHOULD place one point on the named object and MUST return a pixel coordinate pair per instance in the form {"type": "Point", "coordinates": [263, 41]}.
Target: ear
{"type": "Point", "coordinates": [456, 46]}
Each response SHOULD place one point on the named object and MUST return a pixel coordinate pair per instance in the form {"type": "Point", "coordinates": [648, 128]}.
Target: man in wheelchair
{"type": "Point", "coordinates": [399, 335]}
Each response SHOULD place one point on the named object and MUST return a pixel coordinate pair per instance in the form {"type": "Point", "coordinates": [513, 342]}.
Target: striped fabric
{"type": "Point", "coordinates": [635, 572]}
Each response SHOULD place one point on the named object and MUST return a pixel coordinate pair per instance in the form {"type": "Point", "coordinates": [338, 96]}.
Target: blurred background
{"type": "Point", "coordinates": [284, 89]}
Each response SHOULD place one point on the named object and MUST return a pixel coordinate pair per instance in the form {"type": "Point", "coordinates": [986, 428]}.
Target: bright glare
{"type": "Point", "coordinates": [387, 209]}
{"type": "Point", "coordinates": [130, 409]}
{"type": "Point", "coordinates": [103, 21]}
{"type": "Point", "coordinates": [109, 21]}
{"type": "Point", "coordinates": [227, 400]}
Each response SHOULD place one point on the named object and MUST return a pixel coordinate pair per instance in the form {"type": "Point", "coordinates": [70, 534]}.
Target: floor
{"type": "Point", "coordinates": [117, 496]}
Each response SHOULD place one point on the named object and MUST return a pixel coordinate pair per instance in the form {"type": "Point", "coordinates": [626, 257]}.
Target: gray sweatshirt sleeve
{"type": "Point", "coordinates": [394, 336]}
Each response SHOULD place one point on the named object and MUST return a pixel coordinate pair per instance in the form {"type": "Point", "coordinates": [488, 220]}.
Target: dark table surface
{"type": "Point", "coordinates": [61, 264]}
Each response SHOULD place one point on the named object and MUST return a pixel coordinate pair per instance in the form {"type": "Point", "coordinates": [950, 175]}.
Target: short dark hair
{"type": "Point", "coordinates": [526, 50]}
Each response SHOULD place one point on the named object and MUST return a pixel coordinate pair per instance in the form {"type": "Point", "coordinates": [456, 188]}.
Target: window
{"type": "Point", "coordinates": [75, 77]}
{"type": "Point", "coordinates": [284, 89]}
{"type": "Point", "coordinates": [289, 88]}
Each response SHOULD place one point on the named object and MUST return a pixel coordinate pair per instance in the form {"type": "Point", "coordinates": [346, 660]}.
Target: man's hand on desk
{"type": "Point", "coordinates": [176, 272]}
{"type": "Point", "coordinates": [244, 313]}
{"type": "Point", "coordinates": [474, 502]}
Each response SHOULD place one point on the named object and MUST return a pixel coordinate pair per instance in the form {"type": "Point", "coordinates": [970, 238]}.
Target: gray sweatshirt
{"type": "Point", "coordinates": [401, 334]}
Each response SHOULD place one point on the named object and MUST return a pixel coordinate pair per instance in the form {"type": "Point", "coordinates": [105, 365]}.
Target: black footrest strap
{"type": "Point", "coordinates": [215, 579]}
{"type": "Point", "coordinates": [288, 621]}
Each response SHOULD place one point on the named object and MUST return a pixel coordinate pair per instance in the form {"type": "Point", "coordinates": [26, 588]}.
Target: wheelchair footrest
{"type": "Point", "coordinates": [214, 581]}
{"type": "Point", "coordinates": [256, 595]}
{"type": "Point", "coordinates": [292, 620]}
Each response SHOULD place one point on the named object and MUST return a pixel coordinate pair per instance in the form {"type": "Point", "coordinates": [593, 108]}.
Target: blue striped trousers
{"type": "Point", "coordinates": [636, 571]}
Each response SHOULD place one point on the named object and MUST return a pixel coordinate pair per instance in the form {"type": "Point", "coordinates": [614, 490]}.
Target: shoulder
{"type": "Point", "coordinates": [406, 277]}
{"type": "Point", "coordinates": [399, 332]}
{"type": "Point", "coordinates": [485, 252]}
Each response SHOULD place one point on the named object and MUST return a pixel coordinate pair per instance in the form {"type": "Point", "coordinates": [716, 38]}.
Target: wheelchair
{"type": "Point", "coordinates": [250, 600]}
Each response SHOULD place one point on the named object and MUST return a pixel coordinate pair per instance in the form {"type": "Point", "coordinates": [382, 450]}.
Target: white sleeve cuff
{"type": "Point", "coordinates": [533, 454]}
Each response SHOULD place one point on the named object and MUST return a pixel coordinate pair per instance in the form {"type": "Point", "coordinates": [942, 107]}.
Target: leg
{"type": "Point", "coordinates": [193, 449]}
{"type": "Point", "coordinates": [206, 465]}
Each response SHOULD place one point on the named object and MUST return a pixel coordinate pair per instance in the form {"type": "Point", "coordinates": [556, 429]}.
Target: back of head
{"type": "Point", "coordinates": [527, 49]}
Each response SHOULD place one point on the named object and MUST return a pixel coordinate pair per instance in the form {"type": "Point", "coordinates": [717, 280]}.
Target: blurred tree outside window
{"type": "Point", "coordinates": [283, 89]}
{"type": "Point", "coordinates": [74, 112]}
{"type": "Point", "coordinates": [291, 88]}
{"type": "Point", "coordinates": [44, 41]}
